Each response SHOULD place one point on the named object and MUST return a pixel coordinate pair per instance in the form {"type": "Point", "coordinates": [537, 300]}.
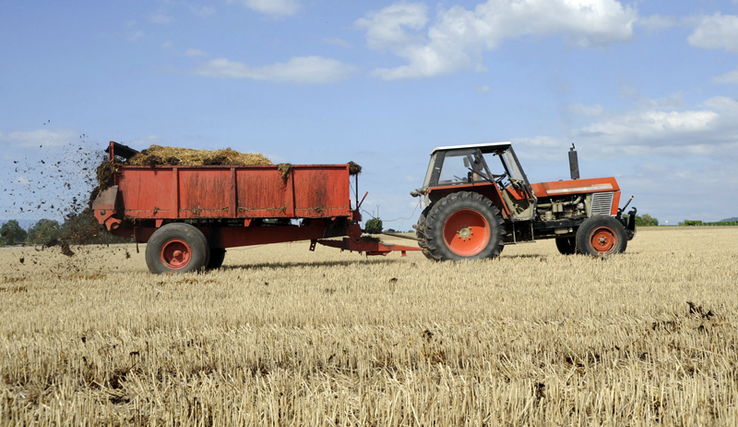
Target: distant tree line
{"type": "Point", "coordinates": [77, 229]}
{"type": "Point", "coordinates": [645, 220]}
{"type": "Point", "coordinates": [697, 222]}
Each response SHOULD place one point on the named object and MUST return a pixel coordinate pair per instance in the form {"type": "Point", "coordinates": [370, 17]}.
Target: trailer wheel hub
{"type": "Point", "coordinates": [176, 254]}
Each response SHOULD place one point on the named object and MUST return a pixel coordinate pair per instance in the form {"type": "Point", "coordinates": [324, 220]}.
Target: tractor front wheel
{"type": "Point", "coordinates": [601, 235]}
{"type": "Point", "coordinates": [177, 248]}
{"type": "Point", "coordinates": [463, 225]}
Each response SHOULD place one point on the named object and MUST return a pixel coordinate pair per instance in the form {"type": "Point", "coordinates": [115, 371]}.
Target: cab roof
{"type": "Point", "coordinates": [487, 147]}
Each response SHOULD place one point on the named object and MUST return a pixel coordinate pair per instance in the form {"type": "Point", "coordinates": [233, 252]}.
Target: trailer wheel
{"type": "Point", "coordinates": [420, 233]}
{"type": "Point", "coordinates": [177, 248]}
{"type": "Point", "coordinates": [601, 235]}
{"type": "Point", "coordinates": [217, 255]}
{"type": "Point", "coordinates": [463, 225]}
{"type": "Point", "coordinates": [566, 245]}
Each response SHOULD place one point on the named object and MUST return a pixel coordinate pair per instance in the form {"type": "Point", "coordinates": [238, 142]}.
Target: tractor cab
{"type": "Point", "coordinates": [492, 165]}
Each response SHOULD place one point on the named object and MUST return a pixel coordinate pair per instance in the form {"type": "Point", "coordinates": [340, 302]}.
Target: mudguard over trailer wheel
{"type": "Point", "coordinates": [601, 235]}
{"type": "Point", "coordinates": [177, 248]}
{"type": "Point", "coordinates": [463, 225]}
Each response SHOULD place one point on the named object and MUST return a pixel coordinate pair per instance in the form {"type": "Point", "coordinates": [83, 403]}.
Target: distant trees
{"type": "Point", "coordinates": [11, 233]}
{"type": "Point", "coordinates": [44, 231]}
{"type": "Point", "coordinates": [373, 226]}
{"type": "Point", "coordinates": [84, 229]}
{"type": "Point", "coordinates": [78, 229]}
{"type": "Point", "coordinates": [646, 220]}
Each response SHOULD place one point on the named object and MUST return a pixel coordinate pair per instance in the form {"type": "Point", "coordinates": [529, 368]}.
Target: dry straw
{"type": "Point", "coordinates": [172, 156]}
{"type": "Point", "coordinates": [285, 336]}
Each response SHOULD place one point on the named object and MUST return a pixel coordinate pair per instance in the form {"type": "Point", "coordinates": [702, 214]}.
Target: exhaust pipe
{"type": "Point", "coordinates": [573, 163]}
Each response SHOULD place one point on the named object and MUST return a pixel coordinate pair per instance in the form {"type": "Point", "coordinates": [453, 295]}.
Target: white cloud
{"type": "Point", "coordinates": [657, 22]}
{"type": "Point", "coordinates": [722, 103]}
{"type": "Point", "coordinates": [586, 110]}
{"type": "Point", "coordinates": [712, 129]}
{"type": "Point", "coordinates": [145, 142]}
{"type": "Point", "coordinates": [338, 42]}
{"type": "Point", "coordinates": [715, 32]}
{"type": "Point", "coordinates": [458, 37]}
{"type": "Point", "coordinates": [22, 180]}
{"type": "Point", "coordinates": [195, 52]}
{"type": "Point", "coordinates": [275, 8]}
{"type": "Point", "coordinates": [301, 69]}
{"type": "Point", "coordinates": [651, 126]}
{"type": "Point", "coordinates": [38, 138]}
{"type": "Point", "coordinates": [160, 17]}
{"type": "Point", "coordinates": [730, 77]}
{"type": "Point", "coordinates": [132, 37]}
{"type": "Point", "coordinates": [202, 12]}
{"type": "Point", "coordinates": [385, 29]}
{"type": "Point", "coordinates": [670, 102]}
{"type": "Point", "coordinates": [167, 44]}
{"type": "Point", "coordinates": [483, 89]}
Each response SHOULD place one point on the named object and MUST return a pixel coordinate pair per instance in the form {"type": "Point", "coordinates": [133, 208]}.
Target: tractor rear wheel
{"type": "Point", "coordinates": [177, 248]}
{"type": "Point", "coordinates": [420, 232]}
{"type": "Point", "coordinates": [463, 225]}
{"type": "Point", "coordinates": [566, 245]}
{"type": "Point", "coordinates": [601, 235]}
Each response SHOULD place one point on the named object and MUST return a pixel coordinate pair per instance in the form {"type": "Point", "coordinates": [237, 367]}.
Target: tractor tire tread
{"type": "Point", "coordinates": [439, 212]}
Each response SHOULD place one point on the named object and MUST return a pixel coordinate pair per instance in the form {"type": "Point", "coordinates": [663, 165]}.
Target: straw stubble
{"type": "Point", "coordinates": [284, 336]}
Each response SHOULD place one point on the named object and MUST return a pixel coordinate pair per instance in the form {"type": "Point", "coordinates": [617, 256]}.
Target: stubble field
{"type": "Point", "coordinates": [284, 336]}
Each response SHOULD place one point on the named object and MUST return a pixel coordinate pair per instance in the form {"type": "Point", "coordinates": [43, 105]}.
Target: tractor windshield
{"type": "Point", "coordinates": [455, 167]}
{"type": "Point", "coordinates": [511, 165]}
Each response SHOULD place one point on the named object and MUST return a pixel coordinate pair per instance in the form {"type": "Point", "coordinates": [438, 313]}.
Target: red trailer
{"type": "Point", "coordinates": [189, 215]}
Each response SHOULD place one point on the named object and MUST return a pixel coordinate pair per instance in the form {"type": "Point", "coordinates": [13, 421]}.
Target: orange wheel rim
{"type": "Point", "coordinates": [466, 232]}
{"type": "Point", "coordinates": [176, 254]}
{"type": "Point", "coordinates": [604, 240]}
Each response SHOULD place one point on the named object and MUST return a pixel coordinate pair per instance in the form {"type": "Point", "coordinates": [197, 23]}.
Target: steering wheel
{"type": "Point", "coordinates": [500, 179]}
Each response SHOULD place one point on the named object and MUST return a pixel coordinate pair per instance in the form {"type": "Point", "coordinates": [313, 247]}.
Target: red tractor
{"type": "Point", "coordinates": [479, 200]}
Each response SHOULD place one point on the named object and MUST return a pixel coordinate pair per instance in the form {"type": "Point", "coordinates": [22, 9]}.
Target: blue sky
{"type": "Point", "coordinates": [646, 90]}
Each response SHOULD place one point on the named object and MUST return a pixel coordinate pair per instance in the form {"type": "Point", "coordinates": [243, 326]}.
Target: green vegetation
{"type": "Point", "coordinates": [78, 229]}
{"type": "Point", "coordinates": [11, 233]}
{"type": "Point", "coordinates": [44, 231]}
{"type": "Point", "coordinates": [697, 222]}
{"type": "Point", "coordinates": [373, 226]}
{"type": "Point", "coordinates": [645, 220]}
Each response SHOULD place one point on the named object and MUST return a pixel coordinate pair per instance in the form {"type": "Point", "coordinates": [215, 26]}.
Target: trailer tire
{"type": "Point", "coordinates": [177, 248]}
{"type": "Point", "coordinates": [601, 235]}
{"type": "Point", "coordinates": [463, 226]}
{"type": "Point", "coordinates": [217, 255]}
{"type": "Point", "coordinates": [566, 245]}
{"type": "Point", "coordinates": [420, 233]}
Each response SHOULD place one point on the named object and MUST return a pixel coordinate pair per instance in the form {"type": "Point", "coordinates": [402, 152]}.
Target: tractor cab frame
{"type": "Point", "coordinates": [493, 164]}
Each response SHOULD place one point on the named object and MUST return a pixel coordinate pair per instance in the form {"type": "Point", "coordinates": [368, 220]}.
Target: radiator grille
{"type": "Point", "coordinates": [601, 204]}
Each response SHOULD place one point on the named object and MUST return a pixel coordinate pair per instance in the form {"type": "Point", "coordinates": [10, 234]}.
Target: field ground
{"type": "Point", "coordinates": [284, 336]}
